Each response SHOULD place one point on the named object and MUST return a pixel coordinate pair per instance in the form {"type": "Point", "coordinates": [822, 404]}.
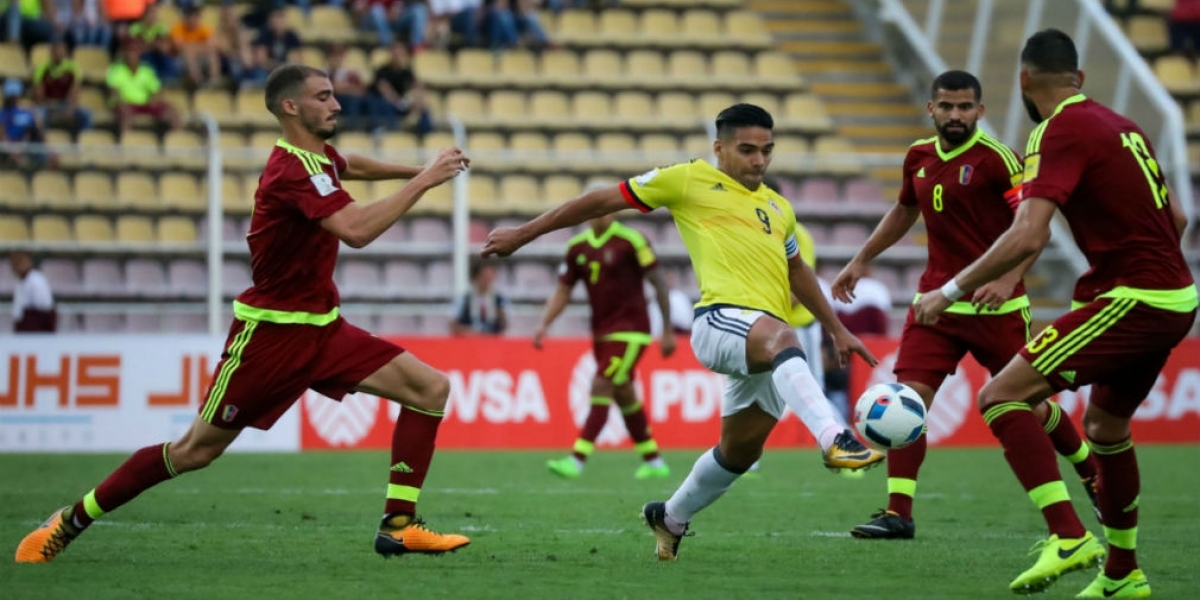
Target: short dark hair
{"type": "Point", "coordinates": [1050, 51]}
{"type": "Point", "coordinates": [954, 81]}
{"type": "Point", "coordinates": [743, 115]}
{"type": "Point", "coordinates": [284, 82]}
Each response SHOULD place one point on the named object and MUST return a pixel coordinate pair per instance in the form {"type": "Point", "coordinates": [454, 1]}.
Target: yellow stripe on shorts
{"type": "Point", "coordinates": [1090, 330]}
{"type": "Point", "coordinates": [235, 358]}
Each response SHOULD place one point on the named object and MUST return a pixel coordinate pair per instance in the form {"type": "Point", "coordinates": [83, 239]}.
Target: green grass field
{"type": "Point", "coordinates": [300, 526]}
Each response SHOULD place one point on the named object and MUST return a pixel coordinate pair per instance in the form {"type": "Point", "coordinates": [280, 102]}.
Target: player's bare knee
{"type": "Point", "coordinates": [190, 457]}
{"type": "Point", "coordinates": [436, 393]}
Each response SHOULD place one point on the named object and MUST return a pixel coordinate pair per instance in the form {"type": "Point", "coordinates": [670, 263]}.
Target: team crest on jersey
{"type": "Point", "coordinates": [230, 414]}
{"type": "Point", "coordinates": [964, 174]}
{"type": "Point", "coordinates": [775, 206]}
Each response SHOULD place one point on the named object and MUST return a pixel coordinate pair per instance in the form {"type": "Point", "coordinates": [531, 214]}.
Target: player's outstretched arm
{"type": "Point", "coordinates": [597, 203]}
{"type": "Point", "coordinates": [368, 169]}
{"type": "Point", "coordinates": [1028, 234]}
{"type": "Point", "coordinates": [806, 289]}
{"type": "Point", "coordinates": [663, 296]}
{"type": "Point", "coordinates": [359, 224]}
{"type": "Point", "coordinates": [554, 307]}
{"type": "Point", "coordinates": [898, 220]}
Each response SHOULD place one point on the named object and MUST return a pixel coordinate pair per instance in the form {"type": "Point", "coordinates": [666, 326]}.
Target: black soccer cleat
{"type": "Point", "coordinates": [654, 514]}
{"type": "Point", "coordinates": [885, 525]}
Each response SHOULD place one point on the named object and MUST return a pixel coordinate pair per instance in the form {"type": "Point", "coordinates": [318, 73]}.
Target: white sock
{"type": "Point", "coordinates": [707, 482]}
{"type": "Point", "coordinates": [800, 391]}
{"type": "Point", "coordinates": [656, 462]}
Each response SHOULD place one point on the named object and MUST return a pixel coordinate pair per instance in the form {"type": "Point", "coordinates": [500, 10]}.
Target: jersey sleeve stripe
{"type": "Point", "coordinates": [1010, 157]}
{"type": "Point", "coordinates": [631, 197]}
{"type": "Point", "coordinates": [1035, 138]}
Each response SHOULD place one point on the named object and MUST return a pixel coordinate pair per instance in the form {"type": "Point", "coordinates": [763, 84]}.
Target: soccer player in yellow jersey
{"type": "Point", "coordinates": [740, 235]}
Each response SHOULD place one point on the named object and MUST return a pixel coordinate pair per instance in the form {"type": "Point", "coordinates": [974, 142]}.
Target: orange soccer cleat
{"type": "Point", "coordinates": [52, 537]}
{"type": "Point", "coordinates": [416, 537]}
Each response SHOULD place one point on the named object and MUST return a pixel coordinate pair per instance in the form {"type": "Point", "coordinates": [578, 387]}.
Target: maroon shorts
{"type": "Point", "coordinates": [617, 354]}
{"type": "Point", "coordinates": [267, 366]}
{"type": "Point", "coordinates": [153, 109]}
{"type": "Point", "coordinates": [930, 353]}
{"type": "Point", "coordinates": [1118, 345]}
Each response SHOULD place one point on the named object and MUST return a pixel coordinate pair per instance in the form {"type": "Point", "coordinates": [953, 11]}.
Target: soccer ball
{"type": "Point", "coordinates": [890, 415]}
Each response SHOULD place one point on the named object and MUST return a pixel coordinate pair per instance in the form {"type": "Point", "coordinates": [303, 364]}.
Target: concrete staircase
{"type": "Point", "coordinates": [848, 73]}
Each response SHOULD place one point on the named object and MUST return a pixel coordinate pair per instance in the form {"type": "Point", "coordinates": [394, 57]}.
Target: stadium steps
{"type": "Point", "coordinates": [848, 73]}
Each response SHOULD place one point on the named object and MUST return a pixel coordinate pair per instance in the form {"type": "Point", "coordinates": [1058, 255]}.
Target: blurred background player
{"type": "Point", "coordinates": [33, 303]}
{"type": "Point", "coordinates": [740, 236]}
{"type": "Point", "coordinates": [481, 310]}
{"type": "Point", "coordinates": [613, 261]}
{"type": "Point", "coordinates": [287, 334]}
{"type": "Point", "coordinates": [962, 182]}
{"type": "Point", "coordinates": [1131, 308]}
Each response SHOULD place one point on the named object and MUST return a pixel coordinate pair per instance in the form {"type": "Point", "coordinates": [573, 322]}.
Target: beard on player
{"type": "Point", "coordinates": [1032, 109]}
{"type": "Point", "coordinates": [955, 132]}
{"type": "Point", "coordinates": [324, 128]}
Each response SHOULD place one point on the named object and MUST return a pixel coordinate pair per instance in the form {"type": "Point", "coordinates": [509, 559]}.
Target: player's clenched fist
{"type": "Point", "coordinates": [446, 164]}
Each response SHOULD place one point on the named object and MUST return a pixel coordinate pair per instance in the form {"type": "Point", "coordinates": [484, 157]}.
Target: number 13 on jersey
{"type": "Point", "coordinates": [1137, 146]}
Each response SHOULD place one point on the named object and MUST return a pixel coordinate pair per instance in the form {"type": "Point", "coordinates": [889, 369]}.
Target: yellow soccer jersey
{"type": "Point", "coordinates": [739, 241]}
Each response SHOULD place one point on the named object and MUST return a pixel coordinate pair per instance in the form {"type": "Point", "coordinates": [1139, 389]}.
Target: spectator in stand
{"type": "Point", "coordinates": [137, 90]}
{"type": "Point", "coordinates": [396, 92]}
{"type": "Point", "coordinates": [33, 303]}
{"type": "Point", "coordinates": [349, 87]}
{"type": "Point", "coordinates": [506, 26]}
{"type": "Point", "coordinates": [56, 84]}
{"type": "Point", "coordinates": [89, 24]}
{"type": "Point", "coordinates": [275, 45]}
{"type": "Point", "coordinates": [233, 42]}
{"type": "Point", "coordinates": [155, 40]}
{"type": "Point", "coordinates": [455, 16]}
{"type": "Point", "coordinates": [867, 315]}
{"type": "Point", "coordinates": [387, 18]}
{"type": "Point", "coordinates": [1183, 25]}
{"type": "Point", "coordinates": [481, 310]}
{"type": "Point", "coordinates": [122, 14]}
{"type": "Point", "coordinates": [29, 22]}
{"type": "Point", "coordinates": [259, 16]}
{"type": "Point", "coordinates": [19, 124]}
{"type": "Point", "coordinates": [196, 46]}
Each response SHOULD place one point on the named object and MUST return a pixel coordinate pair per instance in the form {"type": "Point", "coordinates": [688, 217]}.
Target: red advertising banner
{"type": "Point", "coordinates": [506, 394]}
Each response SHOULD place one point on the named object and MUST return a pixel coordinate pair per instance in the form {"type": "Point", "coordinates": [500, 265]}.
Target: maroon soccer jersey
{"type": "Point", "coordinates": [291, 256]}
{"type": "Point", "coordinates": [961, 194]}
{"type": "Point", "coordinates": [612, 266]}
{"type": "Point", "coordinates": [1100, 169]}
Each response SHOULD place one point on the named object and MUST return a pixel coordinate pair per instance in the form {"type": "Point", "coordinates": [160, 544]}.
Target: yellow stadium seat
{"type": "Point", "coordinates": [591, 107]}
{"type": "Point", "coordinates": [437, 201]}
{"type": "Point", "coordinates": [768, 102]}
{"type": "Point", "coordinates": [237, 198]}
{"type": "Point", "coordinates": [93, 228]}
{"type": "Point", "coordinates": [747, 28]}
{"type": "Point", "coordinates": [399, 141]}
{"type": "Point", "coordinates": [485, 141]}
{"type": "Point", "coordinates": [217, 103]}
{"type": "Point", "coordinates": [677, 108]}
{"type": "Point", "coordinates": [506, 107]}
{"type": "Point", "coordinates": [234, 150]}
{"type": "Point", "coordinates": [14, 191]}
{"type": "Point", "coordinates": [185, 150]}
{"type": "Point", "coordinates": [141, 149]}
{"type": "Point", "coordinates": [466, 105]}
{"type": "Point", "coordinates": [837, 156]}
{"type": "Point", "coordinates": [687, 67]}
{"type": "Point", "coordinates": [805, 111]}
{"type": "Point", "coordinates": [176, 230]}
{"type": "Point", "coordinates": [138, 191]}
{"type": "Point", "coordinates": [12, 61]}
{"type": "Point", "coordinates": [181, 192]}
{"type": "Point", "coordinates": [434, 66]}
{"type": "Point", "coordinates": [249, 108]}
{"type": "Point", "coordinates": [361, 191]}
{"type": "Point", "coordinates": [49, 189]}
{"type": "Point", "coordinates": [39, 55]}
{"type": "Point", "coordinates": [559, 67]}
{"type": "Point", "coordinates": [13, 229]}
{"type": "Point", "coordinates": [260, 146]}
{"type": "Point", "coordinates": [776, 70]}
{"type": "Point", "coordinates": [93, 99]}
{"type": "Point", "coordinates": [529, 150]}
{"type": "Point", "coordinates": [576, 26]}
{"type": "Point", "coordinates": [618, 151]}
{"type": "Point", "coordinates": [792, 144]}
{"type": "Point", "coordinates": [573, 149]}
{"type": "Point", "coordinates": [435, 142]}
{"type": "Point", "coordinates": [1177, 75]}
{"type": "Point", "coordinates": [618, 27]}
{"type": "Point", "coordinates": [701, 27]}
{"type": "Point", "coordinates": [560, 188]}
{"type": "Point", "coordinates": [473, 65]}
{"type": "Point", "coordinates": [132, 229]}
{"type": "Point", "coordinates": [658, 27]}
{"type": "Point", "coordinates": [731, 66]}
{"type": "Point", "coordinates": [645, 68]}
{"type": "Point", "coordinates": [698, 145]}
{"type": "Point", "coordinates": [98, 149]}
{"type": "Point", "coordinates": [95, 190]}
{"type": "Point", "coordinates": [51, 228]}
{"type": "Point", "coordinates": [92, 62]}
{"type": "Point", "coordinates": [603, 67]}
{"type": "Point", "coordinates": [518, 67]}
{"type": "Point", "coordinates": [634, 108]}
{"type": "Point", "coordinates": [518, 191]}
{"type": "Point", "coordinates": [330, 23]}
{"type": "Point", "coordinates": [549, 107]}
{"type": "Point", "coordinates": [482, 196]}
{"type": "Point", "coordinates": [355, 142]}
{"type": "Point", "coordinates": [1148, 33]}
{"type": "Point", "coordinates": [659, 148]}
{"type": "Point", "coordinates": [713, 103]}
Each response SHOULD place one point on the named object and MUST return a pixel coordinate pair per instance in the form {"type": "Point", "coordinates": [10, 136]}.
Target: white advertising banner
{"type": "Point", "coordinates": [88, 393]}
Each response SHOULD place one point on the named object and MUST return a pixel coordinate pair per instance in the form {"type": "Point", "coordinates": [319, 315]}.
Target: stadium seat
{"type": "Point", "coordinates": [634, 109]}
{"type": "Point", "coordinates": [176, 230]}
{"type": "Point", "coordinates": [138, 191]}
{"type": "Point", "coordinates": [485, 142]}
{"type": "Point", "coordinates": [603, 67]}
{"type": "Point", "coordinates": [804, 112]}
{"type": "Point", "coordinates": [185, 150]}
{"type": "Point", "coordinates": [439, 278]}
{"type": "Point", "coordinates": [837, 156]}
{"type": "Point", "coordinates": [12, 61]}
{"type": "Point", "coordinates": [645, 69]}
{"type": "Point", "coordinates": [1148, 33]}
{"type": "Point", "coordinates": [145, 277]}
{"type": "Point", "coordinates": [560, 188]}
{"type": "Point", "coordinates": [482, 195]}
{"type": "Point", "coordinates": [94, 190]}
{"type": "Point", "coordinates": [505, 107]}
{"type": "Point", "coordinates": [712, 103]}
{"type": "Point", "coordinates": [92, 228]}
{"type": "Point", "coordinates": [658, 149]}
{"type": "Point", "coordinates": [180, 191]}
{"type": "Point", "coordinates": [435, 67]}
{"type": "Point", "coordinates": [362, 191]}
{"type": "Point", "coordinates": [775, 70]}
{"type": "Point", "coordinates": [864, 190]}
{"type": "Point", "coordinates": [559, 67]}
{"type": "Point", "coordinates": [549, 108]}
{"type": "Point", "coordinates": [429, 229]}
{"type": "Point", "coordinates": [474, 66]}
{"type": "Point", "coordinates": [591, 107]}
{"type": "Point", "coordinates": [330, 24]}
{"type": "Point", "coordinates": [187, 278]}
{"type": "Point", "coordinates": [1177, 75]}
{"type": "Point", "coordinates": [529, 151]}
{"type": "Point", "coordinates": [535, 280]}
{"type": "Point", "coordinates": [576, 26]}
{"type": "Point", "coordinates": [14, 190]}
{"type": "Point", "coordinates": [358, 278]}
{"type": "Point", "coordinates": [467, 105]}
{"type": "Point", "coordinates": [658, 26]}
{"type": "Point", "coordinates": [356, 142]}
{"type": "Point", "coordinates": [618, 151]}
{"type": "Point", "coordinates": [48, 189]}
{"type": "Point", "coordinates": [401, 277]}
{"type": "Point", "coordinates": [678, 108]}
{"type": "Point", "coordinates": [687, 68]}
{"type": "Point", "coordinates": [63, 274]}
{"type": "Point", "coordinates": [140, 321]}
{"type": "Point", "coordinates": [520, 194]}
{"type": "Point", "coordinates": [573, 150]}
{"type": "Point", "coordinates": [102, 276]}
{"type": "Point", "coordinates": [518, 68]}
{"type": "Point", "coordinates": [817, 189]}
{"type": "Point", "coordinates": [768, 101]}
{"type": "Point", "coordinates": [93, 63]}
{"type": "Point", "coordinates": [618, 27]}
{"type": "Point", "coordinates": [136, 229]}
{"type": "Point", "coordinates": [698, 145]}
{"type": "Point", "coordinates": [730, 66]}
{"type": "Point", "coordinates": [103, 322]}
{"type": "Point", "coordinates": [747, 28]}
{"type": "Point", "coordinates": [700, 27]}
{"type": "Point", "coordinates": [235, 277]}
{"type": "Point", "coordinates": [438, 201]}
{"type": "Point", "coordinates": [396, 324]}
{"type": "Point", "coordinates": [14, 228]}
{"type": "Point", "coordinates": [216, 103]}
{"type": "Point", "coordinates": [789, 144]}
{"type": "Point", "coordinates": [237, 194]}
{"type": "Point", "coordinates": [141, 150]}
{"type": "Point", "coordinates": [249, 108]}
